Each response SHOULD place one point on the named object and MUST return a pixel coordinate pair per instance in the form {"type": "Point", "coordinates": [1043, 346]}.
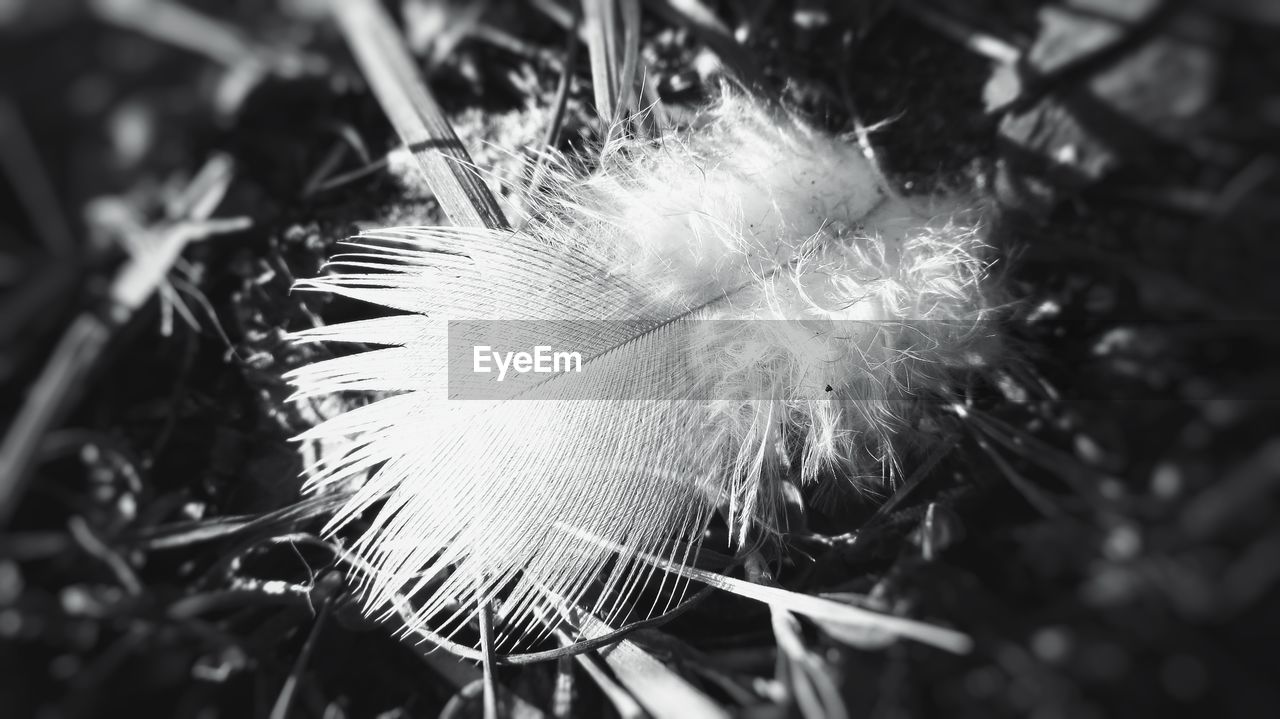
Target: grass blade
{"type": "Point", "coordinates": [597, 16]}
{"type": "Point", "coordinates": [663, 693]}
{"type": "Point", "coordinates": [180, 26]}
{"type": "Point", "coordinates": [380, 50]}
{"type": "Point", "coordinates": [622, 701]}
{"type": "Point", "coordinates": [826, 611]}
{"type": "Point", "coordinates": [628, 92]}
{"type": "Point", "coordinates": [612, 29]}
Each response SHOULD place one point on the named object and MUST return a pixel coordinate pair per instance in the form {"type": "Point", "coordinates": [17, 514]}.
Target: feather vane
{"type": "Point", "coordinates": [748, 276]}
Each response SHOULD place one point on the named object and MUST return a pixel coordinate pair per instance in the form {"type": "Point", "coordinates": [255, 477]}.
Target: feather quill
{"type": "Point", "coordinates": [750, 307]}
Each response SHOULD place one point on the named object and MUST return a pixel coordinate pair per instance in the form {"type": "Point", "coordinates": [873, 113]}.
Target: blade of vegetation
{"type": "Point", "coordinates": [185, 534]}
{"type": "Point", "coordinates": [805, 674]}
{"type": "Point", "coordinates": [625, 704]}
{"type": "Point", "coordinates": [380, 50]}
{"type": "Point", "coordinates": [983, 43]}
{"type": "Point", "coordinates": [48, 399]}
{"type": "Point", "coordinates": [556, 124]}
{"type": "Point", "coordinates": [284, 701]}
{"type": "Point", "coordinates": [555, 11]}
{"type": "Point", "coordinates": [812, 688]}
{"type": "Point", "coordinates": [552, 139]}
{"type": "Point", "coordinates": [93, 545]}
{"type": "Point", "coordinates": [628, 87]}
{"type": "Point", "coordinates": [817, 608]}
{"type": "Point", "coordinates": [563, 696]}
{"type": "Point", "coordinates": [664, 693]}
{"type": "Point", "coordinates": [918, 475]}
{"type": "Point", "coordinates": [612, 30]}
{"type": "Point", "coordinates": [179, 25]}
{"type": "Point", "coordinates": [596, 15]}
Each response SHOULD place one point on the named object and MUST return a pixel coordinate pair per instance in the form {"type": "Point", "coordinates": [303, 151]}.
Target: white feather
{"type": "Point", "coordinates": [749, 216]}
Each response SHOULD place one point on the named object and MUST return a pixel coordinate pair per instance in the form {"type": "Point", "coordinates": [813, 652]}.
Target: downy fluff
{"type": "Point", "coordinates": [751, 308]}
